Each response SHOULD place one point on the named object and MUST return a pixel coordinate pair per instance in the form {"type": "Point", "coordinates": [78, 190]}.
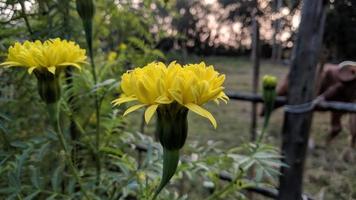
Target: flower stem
{"type": "Point", "coordinates": [265, 126]}
{"type": "Point", "coordinates": [53, 111]}
{"type": "Point", "coordinates": [226, 188]}
{"type": "Point", "coordinates": [88, 29]}
{"type": "Point", "coordinates": [170, 163]}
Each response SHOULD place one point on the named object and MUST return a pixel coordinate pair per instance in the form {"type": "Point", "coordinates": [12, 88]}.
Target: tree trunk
{"type": "Point", "coordinates": [296, 127]}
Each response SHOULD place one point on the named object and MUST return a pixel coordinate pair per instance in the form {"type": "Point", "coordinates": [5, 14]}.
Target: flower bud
{"type": "Point", "coordinates": [86, 9]}
{"type": "Point", "coordinates": [269, 82]}
{"type": "Point", "coordinates": [48, 86]}
{"type": "Point", "coordinates": [122, 47]}
{"type": "Point", "coordinates": [112, 56]}
{"type": "Point", "coordinates": [269, 97]}
{"type": "Point", "coordinates": [141, 176]}
{"type": "Point", "coordinates": [172, 126]}
{"type": "Point", "coordinates": [269, 91]}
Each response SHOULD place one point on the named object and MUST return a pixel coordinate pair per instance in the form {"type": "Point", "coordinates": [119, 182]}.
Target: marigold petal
{"type": "Point", "coordinates": [177, 96]}
{"type": "Point", "coordinates": [222, 96]}
{"type": "Point", "coordinates": [11, 64]}
{"type": "Point", "coordinates": [30, 70]}
{"type": "Point", "coordinates": [133, 108]}
{"type": "Point", "coordinates": [122, 100]}
{"type": "Point", "coordinates": [150, 111]}
{"type": "Point", "coordinates": [202, 112]}
{"type": "Point", "coordinates": [52, 69]}
{"type": "Point", "coordinates": [66, 64]}
{"type": "Point", "coordinates": [163, 100]}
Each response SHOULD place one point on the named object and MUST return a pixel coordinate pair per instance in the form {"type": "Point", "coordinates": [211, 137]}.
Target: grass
{"type": "Point", "coordinates": [327, 176]}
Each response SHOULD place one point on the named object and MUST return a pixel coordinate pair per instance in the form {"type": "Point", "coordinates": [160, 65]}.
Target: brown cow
{"type": "Point", "coordinates": [335, 83]}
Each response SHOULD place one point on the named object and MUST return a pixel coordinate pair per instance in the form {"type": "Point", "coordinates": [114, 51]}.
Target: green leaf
{"type": "Point", "coordinates": [35, 178]}
{"type": "Point", "coordinates": [19, 144]}
{"type": "Point", "coordinates": [20, 160]}
{"type": "Point", "coordinates": [42, 151]}
{"type": "Point", "coordinates": [53, 196]}
{"type": "Point", "coordinates": [56, 179]}
{"type": "Point", "coordinates": [33, 195]}
{"type": "Point", "coordinates": [14, 181]}
{"type": "Point", "coordinates": [8, 190]}
{"type": "Point", "coordinates": [112, 151]}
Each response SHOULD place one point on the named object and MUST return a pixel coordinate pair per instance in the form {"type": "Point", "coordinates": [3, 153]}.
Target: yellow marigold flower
{"type": "Point", "coordinates": [196, 85]}
{"type": "Point", "coordinates": [46, 59]}
{"type": "Point", "coordinates": [51, 55]}
{"type": "Point", "coordinates": [145, 85]}
{"type": "Point", "coordinates": [171, 91]}
{"type": "Point", "coordinates": [157, 84]}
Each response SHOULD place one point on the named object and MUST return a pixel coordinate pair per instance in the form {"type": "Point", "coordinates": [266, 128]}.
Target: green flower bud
{"type": "Point", "coordinates": [269, 82]}
{"type": "Point", "coordinates": [269, 97]}
{"type": "Point", "coordinates": [86, 9]}
{"type": "Point", "coordinates": [269, 92]}
{"type": "Point", "coordinates": [122, 47]}
{"type": "Point", "coordinates": [48, 86]}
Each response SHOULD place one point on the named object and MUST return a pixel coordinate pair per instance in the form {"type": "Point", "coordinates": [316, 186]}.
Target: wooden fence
{"type": "Point", "coordinates": [280, 101]}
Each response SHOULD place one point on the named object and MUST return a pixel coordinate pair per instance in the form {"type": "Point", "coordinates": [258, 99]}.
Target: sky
{"type": "Point", "coordinates": [221, 31]}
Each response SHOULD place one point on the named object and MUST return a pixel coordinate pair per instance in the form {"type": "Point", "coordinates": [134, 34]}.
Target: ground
{"type": "Point", "coordinates": [327, 176]}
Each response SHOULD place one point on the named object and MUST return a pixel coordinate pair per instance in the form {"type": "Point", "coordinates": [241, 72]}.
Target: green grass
{"type": "Point", "coordinates": [327, 176]}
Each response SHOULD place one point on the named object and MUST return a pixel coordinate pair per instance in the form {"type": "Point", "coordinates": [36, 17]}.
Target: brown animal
{"type": "Point", "coordinates": [335, 83]}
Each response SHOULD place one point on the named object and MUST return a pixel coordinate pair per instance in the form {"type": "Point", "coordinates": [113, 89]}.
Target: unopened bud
{"type": "Point", "coordinates": [112, 56]}
{"type": "Point", "coordinates": [269, 95]}
{"type": "Point", "coordinates": [269, 82]}
{"type": "Point", "coordinates": [141, 176]}
{"type": "Point", "coordinates": [85, 9]}
{"type": "Point", "coordinates": [122, 47]}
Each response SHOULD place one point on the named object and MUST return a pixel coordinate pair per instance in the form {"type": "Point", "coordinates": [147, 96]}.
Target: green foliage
{"type": "Point", "coordinates": [32, 164]}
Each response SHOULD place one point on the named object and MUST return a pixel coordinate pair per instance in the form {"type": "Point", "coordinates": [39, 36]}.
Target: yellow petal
{"type": "Point", "coordinates": [217, 101]}
{"type": "Point", "coordinates": [177, 95]}
{"type": "Point", "coordinates": [222, 96]}
{"type": "Point", "coordinates": [133, 108]}
{"type": "Point", "coordinates": [150, 111]}
{"type": "Point", "coordinates": [11, 64]}
{"type": "Point", "coordinates": [163, 100]}
{"type": "Point", "coordinates": [71, 64]}
{"type": "Point", "coordinates": [30, 70]}
{"type": "Point", "coordinates": [52, 69]}
{"type": "Point", "coordinates": [123, 100]}
{"type": "Point", "coordinates": [202, 112]}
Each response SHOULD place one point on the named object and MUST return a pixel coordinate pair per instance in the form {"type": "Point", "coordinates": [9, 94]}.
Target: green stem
{"type": "Point", "coordinates": [265, 126]}
{"type": "Point", "coordinates": [88, 28]}
{"type": "Point", "coordinates": [53, 111]}
{"type": "Point", "coordinates": [170, 163]}
{"type": "Point", "coordinates": [269, 97]}
{"type": "Point", "coordinates": [216, 195]}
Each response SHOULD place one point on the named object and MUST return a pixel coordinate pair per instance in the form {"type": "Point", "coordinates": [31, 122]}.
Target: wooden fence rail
{"type": "Point", "coordinates": [322, 106]}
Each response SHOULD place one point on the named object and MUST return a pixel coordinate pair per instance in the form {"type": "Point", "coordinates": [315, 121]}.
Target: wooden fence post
{"type": "Point", "coordinates": [296, 127]}
{"type": "Point", "coordinates": [255, 55]}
